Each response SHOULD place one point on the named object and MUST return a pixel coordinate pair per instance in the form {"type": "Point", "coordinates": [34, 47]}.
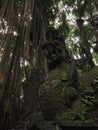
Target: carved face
{"type": "Point", "coordinates": [53, 53]}
{"type": "Point", "coordinates": [51, 34]}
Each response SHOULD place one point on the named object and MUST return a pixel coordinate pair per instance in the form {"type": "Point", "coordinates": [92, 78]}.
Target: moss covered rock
{"type": "Point", "coordinates": [55, 94]}
{"type": "Point", "coordinates": [60, 102]}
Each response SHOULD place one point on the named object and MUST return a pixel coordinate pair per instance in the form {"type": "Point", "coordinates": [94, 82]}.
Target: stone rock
{"type": "Point", "coordinates": [55, 94]}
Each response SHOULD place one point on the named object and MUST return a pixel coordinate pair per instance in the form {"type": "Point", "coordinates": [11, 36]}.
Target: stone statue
{"type": "Point", "coordinates": [59, 92]}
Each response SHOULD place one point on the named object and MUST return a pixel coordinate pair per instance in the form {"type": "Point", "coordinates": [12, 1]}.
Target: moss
{"type": "Point", "coordinates": [57, 87]}
{"type": "Point", "coordinates": [70, 91]}
{"type": "Point", "coordinates": [66, 116]}
{"type": "Point", "coordinates": [64, 75]}
{"type": "Point", "coordinates": [80, 109]}
{"type": "Point", "coordinates": [56, 91]}
{"type": "Point", "coordinates": [76, 115]}
{"type": "Point", "coordinates": [86, 79]}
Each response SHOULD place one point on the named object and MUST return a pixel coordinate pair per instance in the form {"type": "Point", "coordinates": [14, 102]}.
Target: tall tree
{"type": "Point", "coordinates": [23, 25]}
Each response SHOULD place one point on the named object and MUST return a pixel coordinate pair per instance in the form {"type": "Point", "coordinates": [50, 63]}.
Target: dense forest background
{"type": "Point", "coordinates": [23, 66]}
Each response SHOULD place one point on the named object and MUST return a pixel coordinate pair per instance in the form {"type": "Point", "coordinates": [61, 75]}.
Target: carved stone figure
{"type": "Point", "coordinates": [58, 93]}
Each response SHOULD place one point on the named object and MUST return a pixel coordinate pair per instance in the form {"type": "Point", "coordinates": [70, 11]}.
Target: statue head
{"type": "Point", "coordinates": [51, 33]}
{"type": "Point", "coordinates": [54, 49]}
{"type": "Point", "coordinates": [55, 54]}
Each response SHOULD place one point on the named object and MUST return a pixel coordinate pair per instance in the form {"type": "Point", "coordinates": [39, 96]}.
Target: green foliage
{"type": "Point", "coordinates": [81, 110]}
{"type": "Point", "coordinates": [58, 87]}
{"type": "Point", "coordinates": [76, 32]}
{"type": "Point", "coordinates": [67, 116]}
{"type": "Point", "coordinates": [51, 8]}
{"type": "Point", "coordinates": [95, 56]}
{"type": "Point", "coordinates": [63, 29]}
{"type": "Point", "coordinates": [88, 96]}
{"type": "Point", "coordinates": [78, 114]}
{"type": "Point", "coordinates": [27, 71]}
{"type": "Point", "coordinates": [64, 75]}
{"type": "Point", "coordinates": [76, 9]}
{"type": "Point", "coordinates": [68, 2]}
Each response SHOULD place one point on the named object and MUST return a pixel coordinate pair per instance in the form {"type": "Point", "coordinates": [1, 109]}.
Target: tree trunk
{"type": "Point", "coordinates": [30, 29]}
